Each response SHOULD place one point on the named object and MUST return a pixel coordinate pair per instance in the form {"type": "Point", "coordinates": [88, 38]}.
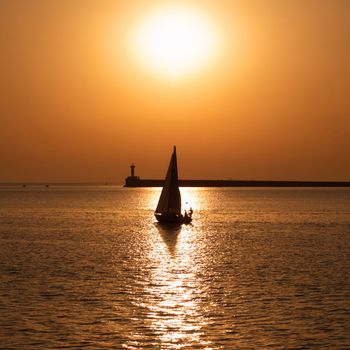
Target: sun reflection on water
{"type": "Point", "coordinates": [168, 305]}
{"type": "Point", "coordinates": [170, 297]}
{"type": "Point", "coordinates": [190, 199]}
{"type": "Point", "coordinates": [173, 306]}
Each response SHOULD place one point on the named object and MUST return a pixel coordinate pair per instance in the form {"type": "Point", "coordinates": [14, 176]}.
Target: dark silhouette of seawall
{"type": "Point", "coordinates": [137, 182]}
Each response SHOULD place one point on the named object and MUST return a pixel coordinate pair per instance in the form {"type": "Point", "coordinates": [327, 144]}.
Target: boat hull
{"type": "Point", "coordinates": [178, 219]}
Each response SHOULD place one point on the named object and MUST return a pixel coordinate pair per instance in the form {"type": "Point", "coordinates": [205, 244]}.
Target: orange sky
{"type": "Point", "coordinates": [75, 107]}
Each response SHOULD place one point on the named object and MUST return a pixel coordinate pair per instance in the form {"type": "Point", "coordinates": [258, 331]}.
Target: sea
{"type": "Point", "coordinates": [88, 267]}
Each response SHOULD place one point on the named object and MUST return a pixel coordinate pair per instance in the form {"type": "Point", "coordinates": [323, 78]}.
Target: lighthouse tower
{"type": "Point", "coordinates": [132, 168]}
{"type": "Point", "coordinates": [131, 181]}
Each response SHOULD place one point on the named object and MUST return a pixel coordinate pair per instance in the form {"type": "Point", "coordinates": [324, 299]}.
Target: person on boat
{"type": "Point", "coordinates": [190, 212]}
{"type": "Point", "coordinates": [185, 214]}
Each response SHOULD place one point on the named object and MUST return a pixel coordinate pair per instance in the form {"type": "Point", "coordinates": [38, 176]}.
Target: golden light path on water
{"type": "Point", "coordinates": [171, 295]}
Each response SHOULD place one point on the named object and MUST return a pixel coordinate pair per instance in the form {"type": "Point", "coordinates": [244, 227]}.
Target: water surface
{"type": "Point", "coordinates": [88, 267]}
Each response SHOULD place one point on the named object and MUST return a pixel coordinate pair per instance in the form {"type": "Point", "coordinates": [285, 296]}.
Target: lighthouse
{"type": "Point", "coordinates": [131, 181]}
{"type": "Point", "coordinates": [132, 168]}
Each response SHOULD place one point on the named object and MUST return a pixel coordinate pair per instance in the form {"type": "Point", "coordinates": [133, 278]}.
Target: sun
{"type": "Point", "coordinates": [175, 41]}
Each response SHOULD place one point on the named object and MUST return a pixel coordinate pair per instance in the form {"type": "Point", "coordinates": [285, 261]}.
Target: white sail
{"type": "Point", "coordinates": [170, 198]}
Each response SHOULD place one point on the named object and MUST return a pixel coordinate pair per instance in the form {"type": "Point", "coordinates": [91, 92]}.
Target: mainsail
{"type": "Point", "coordinates": [170, 198]}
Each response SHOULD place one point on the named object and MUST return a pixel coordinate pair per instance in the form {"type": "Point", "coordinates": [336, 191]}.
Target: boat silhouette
{"type": "Point", "coordinates": [169, 205]}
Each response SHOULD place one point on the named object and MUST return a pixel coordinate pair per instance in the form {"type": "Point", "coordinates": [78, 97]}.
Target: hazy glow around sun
{"type": "Point", "coordinates": [175, 41]}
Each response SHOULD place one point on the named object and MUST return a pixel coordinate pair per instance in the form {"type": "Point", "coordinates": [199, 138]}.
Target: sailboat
{"type": "Point", "coordinates": [169, 205]}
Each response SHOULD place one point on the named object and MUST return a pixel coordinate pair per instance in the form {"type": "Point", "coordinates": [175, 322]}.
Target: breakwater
{"type": "Point", "coordinates": [137, 182]}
